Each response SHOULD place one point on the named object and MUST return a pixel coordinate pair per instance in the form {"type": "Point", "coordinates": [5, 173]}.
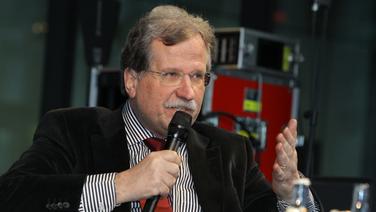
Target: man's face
{"type": "Point", "coordinates": [154, 101]}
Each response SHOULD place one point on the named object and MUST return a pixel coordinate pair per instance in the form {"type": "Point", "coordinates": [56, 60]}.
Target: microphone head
{"type": "Point", "coordinates": [180, 124]}
{"type": "Point", "coordinates": [181, 118]}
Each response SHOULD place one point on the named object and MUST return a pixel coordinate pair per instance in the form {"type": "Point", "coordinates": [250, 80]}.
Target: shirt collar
{"type": "Point", "coordinates": [134, 130]}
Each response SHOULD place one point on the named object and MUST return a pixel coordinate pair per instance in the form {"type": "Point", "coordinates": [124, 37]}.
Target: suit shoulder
{"type": "Point", "coordinates": [232, 145]}
{"type": "Point", "coordinates": [80, 111]}
{"type": "Point", "coordinates": [77, 113]}
{"type": "Point", "coordinates": [218, 134]}
{"type": "Point", "coordinates": [79, 118]}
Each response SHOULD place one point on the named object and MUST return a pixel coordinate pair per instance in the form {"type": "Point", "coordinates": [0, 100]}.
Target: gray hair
{"type": "Point", "coordinates": [172, 25]}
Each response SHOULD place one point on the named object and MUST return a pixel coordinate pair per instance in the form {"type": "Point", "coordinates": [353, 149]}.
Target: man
{"type": "Point", "coordinates": [93, 159]}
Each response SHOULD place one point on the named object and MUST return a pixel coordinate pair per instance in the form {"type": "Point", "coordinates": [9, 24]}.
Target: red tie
{"type": "Point", "coordinates": [156, 144]}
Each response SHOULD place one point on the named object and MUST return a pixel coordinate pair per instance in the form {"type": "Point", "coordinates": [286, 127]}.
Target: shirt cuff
{"type": "Point", "coordinates": [98, 193]}
{"type": "Point", "coordinates": [311, 205]}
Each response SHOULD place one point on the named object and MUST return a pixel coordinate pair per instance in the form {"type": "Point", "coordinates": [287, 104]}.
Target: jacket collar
{"type": "Point", "coordinates": [205, 163]}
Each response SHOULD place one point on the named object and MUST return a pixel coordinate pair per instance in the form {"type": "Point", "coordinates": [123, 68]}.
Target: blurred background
{"type": "Point", "coordinates": [43, 66]}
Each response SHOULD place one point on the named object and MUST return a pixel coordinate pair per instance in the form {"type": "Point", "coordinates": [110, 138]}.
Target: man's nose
{"type": "Point", "coordinates": [185, 89]}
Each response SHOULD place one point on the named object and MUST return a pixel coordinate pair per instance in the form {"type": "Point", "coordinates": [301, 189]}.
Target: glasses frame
{"type": "Point", "coordinates": [207, 75]}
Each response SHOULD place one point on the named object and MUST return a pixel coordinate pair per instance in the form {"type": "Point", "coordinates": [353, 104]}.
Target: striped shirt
{"type": "Point", "coordinates": [182, 196]}
{"type": "Point", "coordinates": [99, 190]}
{"type": "Point", "coordinates": [98, 193]}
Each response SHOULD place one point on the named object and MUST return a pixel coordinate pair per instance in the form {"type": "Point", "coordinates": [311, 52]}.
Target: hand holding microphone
{"type": "Point", "coordinates": [177, 133]}
{"type": "Point", "coordinates": [156, 173]}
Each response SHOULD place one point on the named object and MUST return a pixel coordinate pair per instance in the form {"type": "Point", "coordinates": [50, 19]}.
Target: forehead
{"type": "Point", "coordinates": [190, 52]}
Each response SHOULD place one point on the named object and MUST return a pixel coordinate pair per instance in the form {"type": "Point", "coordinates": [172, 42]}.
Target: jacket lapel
{"type": "Point", "coordinates": [110, 151]}
{"type": "Point", "coordinates": [205, 163]}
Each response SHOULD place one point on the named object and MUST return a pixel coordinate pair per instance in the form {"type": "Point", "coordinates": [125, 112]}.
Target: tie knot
{"type": "Point", "coordinates": [155, 144]}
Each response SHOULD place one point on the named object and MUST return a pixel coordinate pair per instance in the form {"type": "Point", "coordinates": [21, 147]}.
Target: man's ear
{"type": "Point", "coordinates": [130, 82]}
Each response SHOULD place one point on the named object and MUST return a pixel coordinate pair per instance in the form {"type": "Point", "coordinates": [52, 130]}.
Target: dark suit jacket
{"type": "Point", "coordinates": [69, 144]}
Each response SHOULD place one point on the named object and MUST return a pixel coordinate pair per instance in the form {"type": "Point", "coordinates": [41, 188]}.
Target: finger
{"type": "Point", "coordinates": [172, 169]}
{"type": "Point", "coordinates": [171, 156]}
{"type": "Point", "coordinates": [289, 138]}
{"type": "Point", "coordinates": [162, 184]}
{"type": "Point", "coordinates": [165, 162]}
{"type": "Point", "coordinates": [293, 125]}
{"type": "Point", "coordinates": [285, 144]}
{"type": "Point", "coordinates": [287, 163]}
{"type": "Point", "coordinates": [278, 173]}
{"type": "Point", "coordinates": [168, 180]}
{"type": "Point", "coordinates": [281, 157]}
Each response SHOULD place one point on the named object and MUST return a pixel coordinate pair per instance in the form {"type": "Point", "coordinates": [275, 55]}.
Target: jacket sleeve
{"type": "Point", "coordinates": [42, 179]}
{"type": "Point", "coordinates": [258, 195]}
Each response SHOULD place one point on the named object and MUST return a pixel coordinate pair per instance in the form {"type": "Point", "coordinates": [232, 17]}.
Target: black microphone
{"type": "Point", "coordinates": [177, 133]}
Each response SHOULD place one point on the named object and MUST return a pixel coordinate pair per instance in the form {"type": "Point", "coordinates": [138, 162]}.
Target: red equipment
{"type": "Point", "coordinates": [263, 101]}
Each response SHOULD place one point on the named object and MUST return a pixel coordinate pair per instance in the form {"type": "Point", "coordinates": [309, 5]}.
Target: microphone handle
{"type": "Point", "coordinates": [151, 203]}
{"type": "Point", "coordinates": [174, 143]}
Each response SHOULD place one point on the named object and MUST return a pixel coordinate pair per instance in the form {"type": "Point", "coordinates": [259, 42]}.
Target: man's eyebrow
{"type": "Point", "coordinates": [171, 69]}
{"type": "Point", "coordinates": [178, 70]}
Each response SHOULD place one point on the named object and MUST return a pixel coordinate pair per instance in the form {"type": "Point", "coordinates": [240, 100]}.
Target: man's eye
{"type": "Point", "coordinates": [198, 75]}
{"type": "Point", "coordinates": [170, 74]}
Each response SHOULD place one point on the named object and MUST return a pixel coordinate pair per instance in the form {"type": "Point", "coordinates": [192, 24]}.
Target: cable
{"type": "Point", "coordinates": [315, 100]}
{"type": "Point", "coordinates": [254, 141]}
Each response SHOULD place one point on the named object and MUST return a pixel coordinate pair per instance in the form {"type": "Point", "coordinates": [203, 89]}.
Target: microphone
{"type": "Point", "coordinates": [177, 133]}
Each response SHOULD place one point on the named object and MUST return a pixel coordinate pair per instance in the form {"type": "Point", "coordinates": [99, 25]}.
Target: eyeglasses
{"type": "Point", "coordinates": [174, 78]}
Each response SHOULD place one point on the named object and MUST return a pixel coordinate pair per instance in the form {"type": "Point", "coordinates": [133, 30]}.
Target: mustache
{"type": "Point", "coordinates": [181, 104]}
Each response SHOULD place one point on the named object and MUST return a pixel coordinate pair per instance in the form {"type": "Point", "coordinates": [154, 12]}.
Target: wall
{"type": "Point", "coordinates": [345, 66]}
{"type": "Point", "coordinates": [21, 63]}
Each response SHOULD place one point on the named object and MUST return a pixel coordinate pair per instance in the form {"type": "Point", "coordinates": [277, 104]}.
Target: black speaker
{"type": "Point", "coordinates": [99, 20]}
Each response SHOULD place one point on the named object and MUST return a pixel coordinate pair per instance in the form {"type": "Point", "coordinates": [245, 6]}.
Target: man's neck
{"type": "Point", "coordinates": [139, 117]}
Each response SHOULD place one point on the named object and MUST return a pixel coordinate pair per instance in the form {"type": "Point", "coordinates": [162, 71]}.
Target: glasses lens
{"type": "Point", "coordinates": [171, 78]}
{"type": "Point", "coordinates": [174, 78]}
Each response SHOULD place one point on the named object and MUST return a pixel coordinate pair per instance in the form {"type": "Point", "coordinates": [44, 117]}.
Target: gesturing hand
{"type": "Point", "coordinates": [155, 175]}
{"type": "Point", "coordinates": [285, 170]}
